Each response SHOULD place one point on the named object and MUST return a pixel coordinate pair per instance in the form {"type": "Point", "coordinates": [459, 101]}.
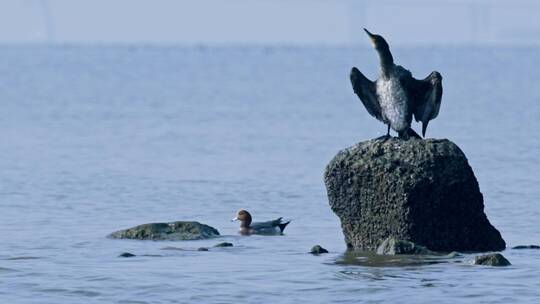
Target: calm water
{"type": "Point", "coordinates": [96, 139]}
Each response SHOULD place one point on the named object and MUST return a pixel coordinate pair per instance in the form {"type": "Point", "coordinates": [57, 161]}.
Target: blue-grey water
{"type": "Point", "coordinates": [95, 139]}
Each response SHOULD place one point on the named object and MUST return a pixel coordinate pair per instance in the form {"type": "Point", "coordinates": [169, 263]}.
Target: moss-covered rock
{"type": "Point", "coordinates": [174, 231]}
{"type": "Point", "coordinates": [422, 191]}
{"type": "Point", "coordinates": [492, 259]}
{"type": "Point", "coordinates": [391, 246]}
{"type": "Point", "coordinates": [317, 249]}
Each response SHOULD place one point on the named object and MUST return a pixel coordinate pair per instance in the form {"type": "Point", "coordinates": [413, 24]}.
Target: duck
{"type": "Point", "coordinates": [396, 95]}
{"type": "Point", "coordinates": [268, 228]}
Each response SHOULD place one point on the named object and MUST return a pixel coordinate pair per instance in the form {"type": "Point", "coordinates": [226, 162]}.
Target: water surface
{"type": "Point", "coordinates": [97, 139]}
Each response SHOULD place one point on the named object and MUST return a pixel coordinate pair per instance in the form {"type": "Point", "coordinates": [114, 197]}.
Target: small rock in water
{"type": "Point", "coordinates": [202, 249]}
{"type": "Point", "coordinates": [391, 246]}
{"type": "Point", "coordinates": [317, 249]}
{"type": "Point", "coordinates": [173, 231]}
{"type": "Point", "coordinates": [224, 244]}
{"type": "Point", "coordinates": [492, 259]}
{"type": "Point", "coordinates": [172, 248]}
{"type": "Point", "coordinates": [126, 255]}
{"type": "Point", "coordinates": [526, 247]}
{"type": "Point", "coordinates": [453, 254]}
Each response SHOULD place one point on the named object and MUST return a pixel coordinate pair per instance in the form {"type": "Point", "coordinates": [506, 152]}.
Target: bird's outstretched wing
{"type": "Point", "coordinates": [427, 94]}
{"type": "Point", "coordinates": [365, 89]}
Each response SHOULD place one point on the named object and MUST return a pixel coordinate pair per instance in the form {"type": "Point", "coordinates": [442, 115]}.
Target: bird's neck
{"type": "Point", "coordinates": [387, 62]}
{"type": "Point", "coordinates": [245, 223]}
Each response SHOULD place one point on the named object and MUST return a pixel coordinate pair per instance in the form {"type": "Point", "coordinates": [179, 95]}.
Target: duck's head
{"type": "Point", "coordinates": [377, 41]}
{"type": "Point", "coordinates": [244, 217]}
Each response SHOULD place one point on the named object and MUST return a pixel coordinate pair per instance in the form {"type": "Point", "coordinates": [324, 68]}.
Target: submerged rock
{"type": "Point", "coordinates": [172, 248]}
{"type": "Point", "coordinates": [453, 254]}
{"type": "Point", "coordinates": [224, 244]}
{"type": "Point", "coordinates": [492, 259]}
{"type": "Point", "coordinates": [526, 247]}
{"type": "Point", "coordinates": [391, 246]}
{"type": "Point", "coordinates": [317, 249]}
{"type": "Point", "coordinates": [126, 255]}
{"type": "Point", "coordinates": [202, 249]}
{"type": "Point", "coordinates": [173, 231]}
{"type": "Point", "coordinates": [422, 191]}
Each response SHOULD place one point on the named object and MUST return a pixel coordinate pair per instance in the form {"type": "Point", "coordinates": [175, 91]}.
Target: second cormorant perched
{"type": "Point", "coordinates": [396, 95]}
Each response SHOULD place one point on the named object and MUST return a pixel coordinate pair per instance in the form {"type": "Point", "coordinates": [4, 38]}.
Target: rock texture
{"type": "Point", "coordinates": [173, 231]}
{"type": "Point", "coordinates": [391, 246]}
{"type": "Point", "coordinates": [423, 191]}
{"type": "Point", "coordinates": [492, 259]}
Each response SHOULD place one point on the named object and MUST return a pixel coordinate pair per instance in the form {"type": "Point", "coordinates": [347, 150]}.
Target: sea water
{"type": "Point", "coordinates": [100, 138]}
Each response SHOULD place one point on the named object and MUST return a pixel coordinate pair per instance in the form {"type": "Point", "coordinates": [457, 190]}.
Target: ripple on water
{"type": "Point", "coordinates": [71, 292]}
{"type": "Point", "coordinates": [54, 290]}
{"type": "Point", "coordinates": [374, 260]}
{"type": "Point", "coordinates": [84, 293]}
{"type": "Point", "coordinates": [81, 245]}
{"type": "Point", "coordinates": [22, 258]}
{"type": "Point", "coordinates": [196, 159]}
{"type": "Point", "coordinates": [98, 278]}
{"type": "Point", "coordinates": [6, 270]}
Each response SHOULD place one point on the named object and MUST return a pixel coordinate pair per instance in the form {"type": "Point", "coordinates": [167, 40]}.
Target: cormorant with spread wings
{"type": "Point", "coordinates": [396, 96]}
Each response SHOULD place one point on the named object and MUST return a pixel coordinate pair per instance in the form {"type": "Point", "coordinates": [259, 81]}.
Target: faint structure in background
{"type": "Point", "coordinates": [47, 19]}
{"type": "Point", "coordinates": [479, 22]}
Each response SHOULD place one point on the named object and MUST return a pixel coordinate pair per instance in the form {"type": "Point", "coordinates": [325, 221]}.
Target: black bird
{"type": "Point", "coordinates": [396, 95]}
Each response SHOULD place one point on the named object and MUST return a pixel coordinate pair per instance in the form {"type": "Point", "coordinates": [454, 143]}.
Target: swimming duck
{"type": "Point", "coordinates": [395, 96]}
{"type": "Point", "coordinates": [270, 227]}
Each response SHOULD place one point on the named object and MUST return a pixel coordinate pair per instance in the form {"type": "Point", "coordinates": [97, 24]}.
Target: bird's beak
{"type": "Point", "coordinates": [234, 219]}
{"type": "Point", "coordinates": [371, 36]}
{"type": "Point", "coordinates": [367, 32]}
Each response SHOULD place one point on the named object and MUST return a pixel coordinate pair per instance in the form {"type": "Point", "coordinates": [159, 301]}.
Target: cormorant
{"type": "Point", "coordinates": [396, 95]}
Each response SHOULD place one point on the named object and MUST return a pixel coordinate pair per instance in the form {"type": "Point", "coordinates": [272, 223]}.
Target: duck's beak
{"type": "Point", "coordinates": [234, 219]}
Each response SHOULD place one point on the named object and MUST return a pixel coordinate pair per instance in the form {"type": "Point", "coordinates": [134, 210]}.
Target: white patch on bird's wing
{"type": "Point", "coordinates": [393, 100]}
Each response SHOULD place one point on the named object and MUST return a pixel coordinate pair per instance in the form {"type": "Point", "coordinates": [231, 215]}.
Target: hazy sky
{"type": "Point", "coordinates": [289, 22]}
